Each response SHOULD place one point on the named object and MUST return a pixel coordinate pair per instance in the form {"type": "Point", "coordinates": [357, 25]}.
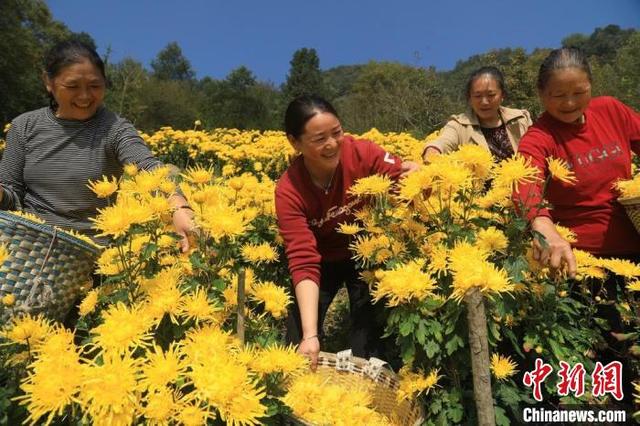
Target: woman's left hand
{"type": "Point", "coordinates": [182, 219]}
{"type": "Point", "coordinates": [408, 167]}
{"type": "Point", "coordinates": [183, 224]}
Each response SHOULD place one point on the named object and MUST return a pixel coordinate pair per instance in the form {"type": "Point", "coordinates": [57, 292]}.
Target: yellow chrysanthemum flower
{"type": "Point", "coordinates": [30, 216]}
{"type": "Point", "coordinates": [567, 234]}
{"type": "Point", "coordinates": [54, 378]}
{"type": "Point", "coordinates": [438, 259]}
{"type": "Point", "coordinates": [4, 253]}
{"type": "Point", "coordinates": [28, 330]}
{"type": "Point", "coordinates": [371, 185]}
{"type": "Point", "coordinates": [258, 253]}
{"type": "Point", "coordinates": [275, 298]}
{"type": "Point", "coordinates": [89, 303]}
{"type": "Point", "coordinates": [404, 283]}
{"type": "Point", "coordinates": [634, 285]}
{"type": "Point", "coordinates": [278, 359]}
{"type": "Point", "coordinates": [161, 368]}
{"type": "Point", "coordinates": [109, 390]}
{"type": "Point", "coordinates": [196, 306]}
{"type": "Point", "coordinates": [198, 175]}
{"type": "Point", "coordinates": [130, 169]}
{"type": "Point", "coordinates": [105, 187]}
{"type": "Point", "coordinates": [161, 406]}
{"type": "Point", "coordinates": [510, 173]}
{"type": "Point", "coordinates": [478, 159]}
{"type": "Point", "coordinates": [123, 328]}
{"type": "Point", "coordinates": [502, 367]}
{"type": "Point", "coordinates": [8, 299]}
{"type": "Point", "coordinates": [491, 239]}
{"type": "Point", "coordinates": [559, 170]}
{"type": "Point", "coordinates": [349, 228]}
{"type": "Point", "coordinates": [622, 267]}
{"type": "Point", "coordinates": [412, 384]}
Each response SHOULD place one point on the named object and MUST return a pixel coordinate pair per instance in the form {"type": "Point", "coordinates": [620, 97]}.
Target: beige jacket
{"type": "Point", "coordinates": [465, 128]}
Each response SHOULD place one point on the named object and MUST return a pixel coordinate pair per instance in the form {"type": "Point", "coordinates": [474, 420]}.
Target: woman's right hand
{"type": "Point", "coordinates": [307, 295]}
{"type": "Point", "coordinates": [310, 347]}
{"type": "Point", "coordinates": [557, 252]}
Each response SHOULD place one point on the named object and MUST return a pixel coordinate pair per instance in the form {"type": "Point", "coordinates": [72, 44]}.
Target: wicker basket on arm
{"type": "Point", "coordinates": [46, 268]}
{"type": "Point", "coordinates": [632, 207]}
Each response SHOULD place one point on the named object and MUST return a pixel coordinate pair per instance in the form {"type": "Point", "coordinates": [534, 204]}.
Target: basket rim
{"type": "Point", "coordinates": [629, 201]}
{"type": "Point", "coordinates": [49, 230]}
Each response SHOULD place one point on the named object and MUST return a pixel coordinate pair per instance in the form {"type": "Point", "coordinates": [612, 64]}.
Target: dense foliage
{"type": "Point", "coordinates": [389, 96]}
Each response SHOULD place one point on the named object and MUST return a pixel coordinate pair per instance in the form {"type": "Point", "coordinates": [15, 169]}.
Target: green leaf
{"type": "Point", "coordinates": [431, 348]}
{"type": "Point", "coordinates": [406, 328]}
{"type": "Point", "coordinates": [501, 417]}
{"type": "Point", "coordinates": [454, 343]}
{"type": "Point", "coordinates": [421, 333]}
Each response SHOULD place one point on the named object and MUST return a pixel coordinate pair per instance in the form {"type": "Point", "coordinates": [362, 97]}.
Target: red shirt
{"type": "Point", "coordinates": [308, 217]}
{"type": "Point", "coordinates": [599, 152]}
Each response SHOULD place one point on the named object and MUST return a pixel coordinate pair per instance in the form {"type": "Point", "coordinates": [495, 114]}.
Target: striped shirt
{"type": "Point", "coordinates": [48, 161]}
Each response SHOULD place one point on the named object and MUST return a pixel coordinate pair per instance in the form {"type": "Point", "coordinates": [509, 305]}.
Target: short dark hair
{"type": "Point", "coordinates": [492, 72]}
{"type": "Point", "coordinates": [71, 52]}
{"type": "Point", "coordinates": [67, 53]}
{"type": "Point", "coordinates": [301, 110]}
{"type": "Point", "coordinates": [566, 57]}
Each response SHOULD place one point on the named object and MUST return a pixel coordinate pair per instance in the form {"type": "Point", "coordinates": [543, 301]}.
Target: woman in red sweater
{"type": "Point", "coordinates": [311, 201]}
{"type": "Point", "coordinates": [596, 138]}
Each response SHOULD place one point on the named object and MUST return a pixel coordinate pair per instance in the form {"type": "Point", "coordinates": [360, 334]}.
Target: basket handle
{"type": "Point", "coordinates": [373, 368]}
{"type": "Point", "coordinates": [35, 300]}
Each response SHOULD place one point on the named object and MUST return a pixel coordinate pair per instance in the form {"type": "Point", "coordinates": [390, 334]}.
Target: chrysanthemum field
{"type": "Point", "coordinates": [157, 341]}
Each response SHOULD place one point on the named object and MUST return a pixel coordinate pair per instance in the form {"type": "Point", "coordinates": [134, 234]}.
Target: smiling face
{"type": "Point", "coordinates": [567, 94]}
{"type": "Point", "coordinates": [485, 97]}
{"type": "Point", "coordinates": [320, 143]}
{"type": "Point", "coordinates": [78, 90]}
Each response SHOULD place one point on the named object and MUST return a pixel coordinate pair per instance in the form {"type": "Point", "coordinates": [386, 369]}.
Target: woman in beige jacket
{"type": "Point", "coordinates": [487, 123]}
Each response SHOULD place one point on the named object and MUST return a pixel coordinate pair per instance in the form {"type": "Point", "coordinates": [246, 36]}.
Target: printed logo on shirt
{"type": "Point", "coordinates": [596, 155]}
{"type": "Point", "coordinates": [389, 159]}
{"type": "Point", "coordinates": [334, 212]}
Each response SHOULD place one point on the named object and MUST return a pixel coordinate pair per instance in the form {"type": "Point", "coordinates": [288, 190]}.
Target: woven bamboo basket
{"type": "Point", "coordinates": [341, 368]}
{"type": "Point", "coordinates": [632, 206]}
{"type": "Point", "coordinates": [46, 267]}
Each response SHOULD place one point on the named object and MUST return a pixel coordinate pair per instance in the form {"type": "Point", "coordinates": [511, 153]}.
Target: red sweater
{"type": "Point", "coordinates": [308, 218]}
{"type": "Point", "coordinates": [599, 152]}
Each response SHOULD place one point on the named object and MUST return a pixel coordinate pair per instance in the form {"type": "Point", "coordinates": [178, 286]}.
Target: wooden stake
{"type": "Point", "coordinates": [480, 363]}
{"type": "Point", "coordinates": [240, 324]}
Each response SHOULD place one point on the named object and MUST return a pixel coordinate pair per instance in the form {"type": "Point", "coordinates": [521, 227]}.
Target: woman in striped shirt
{"type": "Point", "coordinates": [52, 152]}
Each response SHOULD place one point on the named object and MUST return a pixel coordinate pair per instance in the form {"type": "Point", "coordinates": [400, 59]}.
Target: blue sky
{"type": "Point", "coordinates": [218, 36]}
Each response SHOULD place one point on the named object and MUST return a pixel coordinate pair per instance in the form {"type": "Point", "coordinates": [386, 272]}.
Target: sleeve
{"type": "Point", "coordinates": [528, 197]}
{"type": "Point", "coordinates": [527, 119]}
{"type": "Point", "coordinates": [449, 139]}
{"type": "Point", "coordinates": [384, 163]}
{"type": "Point", "coordinates": [130, 148]}
{"type": "Point", "coordinates": [631, 121]}
{"type": "Point", "coordinates": [300, 243]}
{"type": "Point", "coordinates": [12, 168]}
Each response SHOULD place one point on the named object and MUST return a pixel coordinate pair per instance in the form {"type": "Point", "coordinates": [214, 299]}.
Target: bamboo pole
{"type": "Point", "coordinates": [480, 363]}
{"type": "Point", "coordinates": [240, 307]}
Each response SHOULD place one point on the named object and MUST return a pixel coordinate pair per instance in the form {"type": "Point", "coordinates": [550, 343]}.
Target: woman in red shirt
{"type": "Point", "coordinates": [596, 138]}
{"type": "Point", "coordinates": [311, 201]}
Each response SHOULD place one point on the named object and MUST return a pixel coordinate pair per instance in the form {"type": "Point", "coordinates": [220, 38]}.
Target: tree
{"type": "Point", "coordinates": [395, 97]}
{"type": "Point", "coordinates": [239, 101]}
{"type": "Point", "coordinates": [167, 103]}
{"type": "Point", "coordinates": [171, 64]}
{"type": "Point", "coordinates": [127, 79]}
{"type": "Point", "coordinates": [304, 76]}
{"type": "Point", "coordinates": [27, 31]}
